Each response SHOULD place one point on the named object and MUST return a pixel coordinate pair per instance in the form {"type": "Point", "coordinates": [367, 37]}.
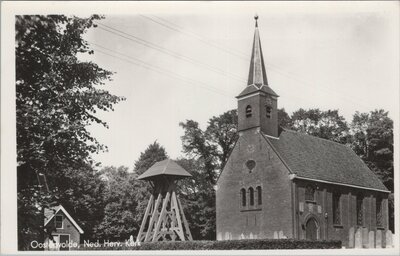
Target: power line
{"type": "Point", "coordinates": [163, 71]}
{"type": "Point", "coordinates": [179, 29]}
{"type": "Point", "coordinates": [143, 42]}
{"type": "Point", "coordinates": [160, 70]}
{"type": "Point", "coordinates": [274, 68]}
{"type": "Point", "coordinates": [166, 51]}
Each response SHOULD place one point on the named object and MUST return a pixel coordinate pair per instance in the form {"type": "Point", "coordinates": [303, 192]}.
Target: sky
{"type": "Point", "coordinates": [175, 62]}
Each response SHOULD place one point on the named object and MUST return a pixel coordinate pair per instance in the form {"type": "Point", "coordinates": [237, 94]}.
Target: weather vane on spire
{"type": "Point", "coordinates": [256, 18]}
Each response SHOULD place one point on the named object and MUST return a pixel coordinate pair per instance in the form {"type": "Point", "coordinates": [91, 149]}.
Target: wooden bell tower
{"type": "Point", "coordinates": [164, 219]}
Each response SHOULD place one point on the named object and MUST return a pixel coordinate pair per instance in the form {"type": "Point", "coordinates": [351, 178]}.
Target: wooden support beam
{"type": "Point", "coordinates": [190, 238]}
{"type": "Point", "coordinates": [145, 218]}
{"type": "Point", "coordinates": [179, 231]}
{"type": "Point", "coordinates": [167, 219]}
{"type": "Point", "coordinates": [153, 218]}
{"type": "Point", "coordinates": [161, 217]}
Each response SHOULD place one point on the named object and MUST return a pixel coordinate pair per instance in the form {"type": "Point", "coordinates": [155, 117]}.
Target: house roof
{"type": "Point", "coordinates": [49, 214]}
{"type": "Point", "coordinates": [165, 167]}
{"type": "Point", "coordinates": [320, 159]}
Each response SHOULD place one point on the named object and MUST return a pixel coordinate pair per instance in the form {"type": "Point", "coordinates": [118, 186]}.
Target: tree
{"type": "Point", "coordinates": [213, 145]}
{"type": "Point", "coordinates": [57, 97]}
{"type": "Point", "coordinates": [207, 151]}
{"type": "Point", "coordinates": [83, 192]}
{"type": "Point", "coordinates": [198, 200]}
{"type": "Point", "coordinates": [323, 124]}
{"type": "Point", "coordinates": [121, 218]}
{"type": "Point", "coordinates": [284, 119]}
{"type": "Point", "coordinates": [126, 197]}
{"type": "Point", "coordinates": [372, 140]}
{"type": "Point", "coordinates": [153, 153]}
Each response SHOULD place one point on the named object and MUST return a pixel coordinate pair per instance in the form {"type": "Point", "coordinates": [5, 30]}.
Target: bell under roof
{"type": "Point", "coordinates": [166, 167]}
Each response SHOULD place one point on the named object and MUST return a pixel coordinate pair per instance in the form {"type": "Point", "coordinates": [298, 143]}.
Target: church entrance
{"type": "Point", "coordinates": [312, 229]}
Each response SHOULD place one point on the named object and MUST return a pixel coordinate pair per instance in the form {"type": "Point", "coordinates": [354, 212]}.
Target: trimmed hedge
{"type": "Point", "coordinates": [247, 244]}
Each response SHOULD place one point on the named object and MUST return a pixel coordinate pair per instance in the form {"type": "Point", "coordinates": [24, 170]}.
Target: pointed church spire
{"type": "Point", "coordinates": [257, 74]}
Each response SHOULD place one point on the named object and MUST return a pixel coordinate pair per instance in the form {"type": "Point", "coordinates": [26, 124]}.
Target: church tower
{"type": "Point", "coordinates": [257, 103]}
{"type": "Point", "coordinates": [286, 184]}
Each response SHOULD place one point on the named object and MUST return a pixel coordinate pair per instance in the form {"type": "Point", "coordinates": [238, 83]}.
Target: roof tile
{"type": "Point", "coordinates": [315, 158]}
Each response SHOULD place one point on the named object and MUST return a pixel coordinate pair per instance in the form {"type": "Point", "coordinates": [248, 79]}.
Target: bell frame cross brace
{"type": "Point", "coordinates": [164, 219]}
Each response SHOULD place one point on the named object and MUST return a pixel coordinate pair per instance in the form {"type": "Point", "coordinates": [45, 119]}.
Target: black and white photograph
{"type": "Point", "coordinates": [200, 127]}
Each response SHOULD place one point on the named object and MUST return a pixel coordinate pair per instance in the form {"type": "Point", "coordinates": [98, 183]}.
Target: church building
{"type": "Point", "coordinates": [279, 183]}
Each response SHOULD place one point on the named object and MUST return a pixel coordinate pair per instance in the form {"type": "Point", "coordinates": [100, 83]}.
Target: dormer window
{"type": "Point", "coordinates": [248, 111]}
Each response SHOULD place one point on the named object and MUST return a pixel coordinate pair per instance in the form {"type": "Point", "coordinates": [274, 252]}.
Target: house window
{"type": "Point", "coordinates": [59, 221]}
{"type": "Point", "coordinates": [359, 210]}
{"type": "Point", "coordinates": [310, 191]}
{"type": "Point", "coordinates": [248, 111]}
{"type": "Point", "coordinates": [269, 109]}
{"type": "Point", "coordinates": [336, 209]}
{"type": "Point", "coordinates": [251, 196]}
{"type": "Point", "coordinates": [243, 196]}
{"type": "Point", "coordinates": [379, 214]}
{"type": "Point", "coordinates": [259, 195]}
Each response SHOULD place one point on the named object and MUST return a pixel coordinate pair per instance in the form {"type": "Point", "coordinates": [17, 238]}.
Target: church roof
{"type": "Point", "coordinates": [257, 74]}
{"type": "Point", "coordinates": [251, 89]}
{"type": "Point", "coordinates": [257, 80]}
{"type": "Point", "coordinates": [320, 159]}
{"type": "Point", "coordinates": [164, 167]}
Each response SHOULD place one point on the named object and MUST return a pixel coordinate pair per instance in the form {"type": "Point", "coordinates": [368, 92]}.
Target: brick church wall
{"type": "Point", "coordinates": [275, 214]}
{"type": "Point", "coordinates": [324, 215]}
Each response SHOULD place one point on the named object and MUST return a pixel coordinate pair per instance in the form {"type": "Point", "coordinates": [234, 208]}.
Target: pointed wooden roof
{"type": "Point", "coordinates": [257, 74]}
{"type": "Point", "coordinates": [164, 167]}
{"type": "Point", "coordinates": [257, 81]}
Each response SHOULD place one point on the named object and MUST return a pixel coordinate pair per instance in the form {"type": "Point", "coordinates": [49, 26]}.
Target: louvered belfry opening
{"type": "Point", "coordinates": [164, 219]}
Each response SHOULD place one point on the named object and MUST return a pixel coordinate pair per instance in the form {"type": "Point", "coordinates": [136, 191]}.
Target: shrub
{"type": "Point", "coordinates": [248, 244]}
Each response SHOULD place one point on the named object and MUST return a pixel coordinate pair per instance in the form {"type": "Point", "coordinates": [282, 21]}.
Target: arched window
{"type": "Point", "coordinates": [379, 215]}
{"type": "Point", "coordinates": [310, 191]}
{"type": "Point", "coordinates": [243, 196]}
{"type": "Point", "coordinates": [248, 111]}
{"type": "Point", "coordinates": [269, 110]}
{"type": "Point", "coordinates": [251, 196]}
{"type": "Point", "coordinates": [360, 210]}
{"type": "Point", "coordinates": [259, 195]}
{"type": "Point", "coordinates": [336, 208]}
